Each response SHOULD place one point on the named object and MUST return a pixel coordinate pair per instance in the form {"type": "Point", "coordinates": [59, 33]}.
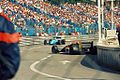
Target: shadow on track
{"type": "Point", "coordinates": [63, 53]}
{"type": "Point", "coordinates": [90, 61]}
{"type": "Point", "coordinates": [85, 63]}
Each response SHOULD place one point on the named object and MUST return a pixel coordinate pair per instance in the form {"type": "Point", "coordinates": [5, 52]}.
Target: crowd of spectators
{"type": "Point", "coordinates": [39, 12]}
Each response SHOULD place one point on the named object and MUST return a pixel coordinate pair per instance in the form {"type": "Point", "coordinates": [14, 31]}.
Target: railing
{"type": "Point", "coordinates": [30, 41]}
{"type": "Point", "coordinates": [39, 40]}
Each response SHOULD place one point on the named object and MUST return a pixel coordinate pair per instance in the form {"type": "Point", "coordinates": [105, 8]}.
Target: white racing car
{"type": "Point", "coordinates": [75, 47]}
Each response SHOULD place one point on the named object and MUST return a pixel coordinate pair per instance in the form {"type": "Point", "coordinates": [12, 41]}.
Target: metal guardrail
{"type": "Point", "coordinates": [29, 41]}
{"type": "Point", "coordinates": [36, 40]}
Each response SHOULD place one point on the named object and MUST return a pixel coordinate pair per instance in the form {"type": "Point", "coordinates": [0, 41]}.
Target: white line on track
{"type": "Point", "coordinates": [32, 67]}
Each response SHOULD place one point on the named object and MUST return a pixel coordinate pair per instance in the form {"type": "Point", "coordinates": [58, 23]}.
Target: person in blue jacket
{"type": "Point", "coordinates": [118, 30]}
{"type": "Point", "coordinates": [9, 50]}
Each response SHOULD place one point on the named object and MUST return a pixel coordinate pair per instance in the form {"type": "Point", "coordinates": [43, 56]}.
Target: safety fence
{"type": "Point", "coordinates": [55, 29]}
{"type": "Point", "coordinates": [85, 29]}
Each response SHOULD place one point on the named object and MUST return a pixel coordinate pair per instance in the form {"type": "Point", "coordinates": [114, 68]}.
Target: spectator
{"type": "Point", "coordinates": [9, 50]}
{"type": "Point", "coordinates": [38, 11]}
{"type": "Point", "coordinates": [118, 30]}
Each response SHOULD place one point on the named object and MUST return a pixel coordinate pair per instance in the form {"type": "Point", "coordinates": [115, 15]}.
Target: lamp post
{"type": "Point", "coordinates": [112, 13]}
{"type": "Point", "coordinates": [103, 31]}
{"type": "Point", "coordinates": [99, 21]}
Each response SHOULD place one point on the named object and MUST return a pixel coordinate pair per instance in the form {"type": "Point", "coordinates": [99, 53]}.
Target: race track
{"type": "Point", "coordinates": [38, 63]}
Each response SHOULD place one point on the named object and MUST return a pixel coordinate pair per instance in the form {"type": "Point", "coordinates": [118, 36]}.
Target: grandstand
{"type": "Point", "coordinates": [38, 16]}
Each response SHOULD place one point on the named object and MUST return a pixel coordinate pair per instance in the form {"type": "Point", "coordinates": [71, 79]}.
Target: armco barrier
{"type": "Point", "coordinates": [109, 57]}
{"type": "Point", "coordinates": [29, 41]}
{"type": "Point", "coordinates": [36, 40]}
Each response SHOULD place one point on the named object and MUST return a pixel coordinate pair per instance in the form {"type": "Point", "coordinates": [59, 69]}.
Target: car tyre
{"type": "Point", "coordinates": [72, 51]}
{"type": "Point", "coordinates": [55, 49]}
{"type": "Point", "coordinates": [63, 41]}
{"type": "Point", "coordinates": [59, 42]}
{"type": "Point", "coordinates": [50, 41]}
{"type": "Point", "coordinates": [45, 42]}
{"type": "Point", "coordinates": [67, 50]}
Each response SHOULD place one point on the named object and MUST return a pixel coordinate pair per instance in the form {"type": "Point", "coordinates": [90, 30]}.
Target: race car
{"type": "Point", "coordinates": [56, 40]}
{"type": "Point", "coordinates": [74, 47]}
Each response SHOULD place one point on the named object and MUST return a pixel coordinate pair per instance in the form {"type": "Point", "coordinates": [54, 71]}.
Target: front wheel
{"type": "Point", "coordinates": [55, 49]}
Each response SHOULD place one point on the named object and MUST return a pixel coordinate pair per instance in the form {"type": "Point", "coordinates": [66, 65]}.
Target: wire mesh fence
{"type": "Point", "coordinates": [84, 29]}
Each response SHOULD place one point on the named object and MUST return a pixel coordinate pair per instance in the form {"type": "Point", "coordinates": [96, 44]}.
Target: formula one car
{"type": "Point", "coordinates": [75, 47]}
{"type": "Point", "coordinates": [56, 40]}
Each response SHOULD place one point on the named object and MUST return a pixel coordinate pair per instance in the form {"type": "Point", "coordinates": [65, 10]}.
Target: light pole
{"type": "Point", "coordinates": [99, 21]}
{"type": "Point", "coordinates": [112, 13]}
{"type": "Point", "coordinates": [103, 30]}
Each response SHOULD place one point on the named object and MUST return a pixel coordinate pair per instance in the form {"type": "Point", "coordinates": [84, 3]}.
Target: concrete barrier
{"type": "Point", "coordinates": [109, 57]}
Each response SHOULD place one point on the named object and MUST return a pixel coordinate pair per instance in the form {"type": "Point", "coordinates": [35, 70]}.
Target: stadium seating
{"type": "Point", "coordinates": [51, 17]}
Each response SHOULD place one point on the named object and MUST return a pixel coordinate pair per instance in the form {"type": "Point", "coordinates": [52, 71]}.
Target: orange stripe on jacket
{"type": "Point", "coordinates": [10, 38]}
{"type": "Point", "coordinates": [5, 16]}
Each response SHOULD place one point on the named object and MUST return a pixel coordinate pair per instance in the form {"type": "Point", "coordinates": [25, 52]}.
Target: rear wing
{"type": "Point", "coordinates": [85, 44]}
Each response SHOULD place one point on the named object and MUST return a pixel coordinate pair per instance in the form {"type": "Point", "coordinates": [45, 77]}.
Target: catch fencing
{"type": "Point", "coordinates": [84, 29]}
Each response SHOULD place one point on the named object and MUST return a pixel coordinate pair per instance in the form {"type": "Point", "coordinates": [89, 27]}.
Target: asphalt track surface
{"type": "Point", "coordinates": [38, 63]}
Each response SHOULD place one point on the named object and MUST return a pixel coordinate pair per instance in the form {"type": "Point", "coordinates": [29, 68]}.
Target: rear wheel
{"type": "Point", "coordinates": [55, 49]}
{"type": "Point", "coordinates": [59, 42]}
{"type": "Point", "coordinates": [63, 41]}
{"type": "Point", "coordinates": [74, 49]}
{"type": "Point", "coordinates": [67, 50]}
{"type": "Point", "coordinates": [93, 50]}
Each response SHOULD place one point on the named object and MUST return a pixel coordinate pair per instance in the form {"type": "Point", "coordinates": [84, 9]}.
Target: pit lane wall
{"type": "Point", "coordinates": [109, 57]}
